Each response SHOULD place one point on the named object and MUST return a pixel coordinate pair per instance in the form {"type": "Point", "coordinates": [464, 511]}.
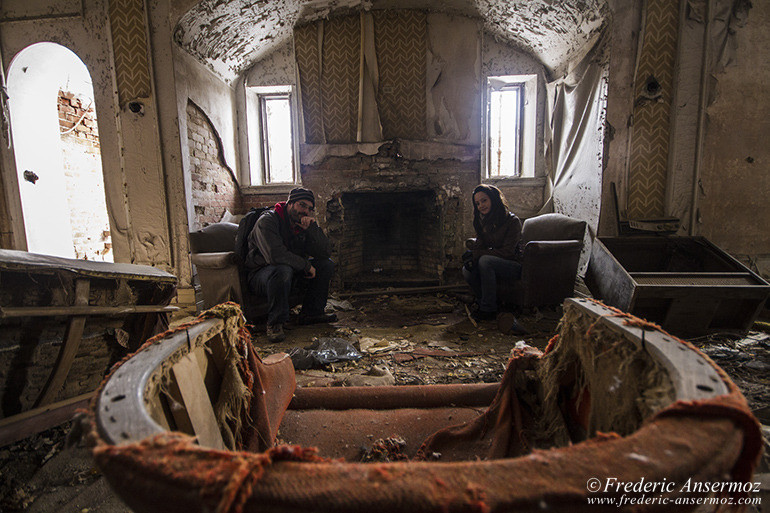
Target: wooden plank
{"type": "Point", "coordinates": [690, 273]}
{"type": "Point", "coordinates": [159, 412]}
{"type": "Point", "coordinates": [51, 311]}
{"type": "Point", "coordinates": [197, 403]}
{"type": "Point", "coordinates": [608, 280]}
{"type": "Point", "coordinates": [218, 352]}
{"type": "Point", "coordinates": [212, 377]}
{"type": "Point", "coordinates": [30, 422]}
{"type": "Point", "coordinates": [69, 349]}
{"type": "Point", "coordinates": [176, 407]}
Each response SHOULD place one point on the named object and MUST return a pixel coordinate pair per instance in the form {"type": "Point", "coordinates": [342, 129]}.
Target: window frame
{"type": "Point", "coordinates": [527, 114]}
{"type": "Point", "coordinates": [258, 134]}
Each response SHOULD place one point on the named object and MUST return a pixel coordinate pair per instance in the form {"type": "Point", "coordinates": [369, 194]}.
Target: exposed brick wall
{"type": "Point", "coordinates": [262, 200]}
{"type": "Point", "coordinates": [83, 176]}
{"type": "Point", "coordinates": [214, 189]}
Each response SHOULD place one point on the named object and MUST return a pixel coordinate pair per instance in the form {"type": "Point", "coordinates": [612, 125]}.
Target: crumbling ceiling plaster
{"type": "Point", "coordinates": [230, 35]}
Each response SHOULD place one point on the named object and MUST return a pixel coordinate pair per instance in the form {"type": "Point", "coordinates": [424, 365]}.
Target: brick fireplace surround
{"type": "Point", "coordinates": [397, 217]}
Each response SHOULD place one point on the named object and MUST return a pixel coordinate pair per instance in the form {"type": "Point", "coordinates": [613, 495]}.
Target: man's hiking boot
{"type": "Point", "coordinates": [275, 333]}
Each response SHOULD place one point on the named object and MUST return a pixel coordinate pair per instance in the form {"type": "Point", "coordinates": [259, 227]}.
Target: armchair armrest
{"type": "Point", "coordinates": [219, 277]}
{"type": "Point", "coordinates": [539, 248]}
{"type": "Point", "coordinates": [548, 272]}
{"type": "Point", "coordinates": [220, 260]}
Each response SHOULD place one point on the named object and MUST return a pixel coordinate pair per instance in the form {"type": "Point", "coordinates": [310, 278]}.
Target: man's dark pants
{"type": "Point", "coordinates": [275, 282]}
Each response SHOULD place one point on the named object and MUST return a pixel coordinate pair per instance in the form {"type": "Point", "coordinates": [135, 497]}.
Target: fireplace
{"type": "Point", "coordinates": [391, 238]}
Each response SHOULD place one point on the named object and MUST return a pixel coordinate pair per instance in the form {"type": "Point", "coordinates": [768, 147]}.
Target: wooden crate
{"type": "Point", "coordinates": [63, 323]}
{"type": "Point", "coordinates": [688, 285]}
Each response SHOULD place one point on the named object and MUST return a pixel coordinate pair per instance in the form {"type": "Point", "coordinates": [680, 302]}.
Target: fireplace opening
{"type": "Point", "coordinates": [390, 238]}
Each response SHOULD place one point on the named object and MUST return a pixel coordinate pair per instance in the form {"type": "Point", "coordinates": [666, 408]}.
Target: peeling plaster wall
{"type": "Point", "coordinates": [140, 151]}
{"type": "Point", "coordinates": [276, 68]}
{"type": "Point", "coordinates": [194, 82]}
{"type": "Point", "coordinates": [162, 62]}
{"type": "Point", "coordinates": [229, 36]}
{"type": "Point", "coordinates": [555, 32]}
{"type": "Point", "coordinates": [226, 35]}
{"type": "Point", "coordinates": [624, 34]}
{"type": "Point", "coordinates": [733, 205]}
{"type": "Point", "coordinates": [88, 37]}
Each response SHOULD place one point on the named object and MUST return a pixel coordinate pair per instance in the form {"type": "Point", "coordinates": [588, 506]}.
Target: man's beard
{"type": "Point", "coordinates": [294, 216]}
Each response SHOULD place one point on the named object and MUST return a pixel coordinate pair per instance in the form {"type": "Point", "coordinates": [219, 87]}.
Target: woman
{"type": "Point", "coordinates": [495, 251]}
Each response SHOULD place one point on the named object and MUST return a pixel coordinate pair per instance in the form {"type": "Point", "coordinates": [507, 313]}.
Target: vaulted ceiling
{"type": "Point", "coordinates": [230, 35]}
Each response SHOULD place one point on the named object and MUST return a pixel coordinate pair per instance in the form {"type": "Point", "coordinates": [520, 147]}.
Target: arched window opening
{"type": "Point", "coordinates": [57, 150]}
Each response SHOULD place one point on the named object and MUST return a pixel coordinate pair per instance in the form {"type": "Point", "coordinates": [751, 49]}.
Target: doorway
{"type": "Point", "coordinates": [57, 151]}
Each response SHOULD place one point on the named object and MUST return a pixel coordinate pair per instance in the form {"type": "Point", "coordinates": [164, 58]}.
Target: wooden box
{"type": "Point", "coordinates": [63, 324]}
{"type": "Point", "coordinates": [687, 285]}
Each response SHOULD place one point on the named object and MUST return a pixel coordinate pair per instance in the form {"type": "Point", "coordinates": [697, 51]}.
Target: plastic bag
{"type": "Point", "coordinates": [322, 352]}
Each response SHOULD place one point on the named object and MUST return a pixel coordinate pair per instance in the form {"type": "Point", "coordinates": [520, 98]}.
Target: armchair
{"type": "Point", "coordinates": [212, 253]}
{"type": "Point", "coordinates": [220, 271]}
{"type": "Point", "coordinates": [552, 246]}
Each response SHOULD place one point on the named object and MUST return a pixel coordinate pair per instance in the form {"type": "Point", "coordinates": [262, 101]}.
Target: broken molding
{"type": "Point", "coordinates": [312, 154]}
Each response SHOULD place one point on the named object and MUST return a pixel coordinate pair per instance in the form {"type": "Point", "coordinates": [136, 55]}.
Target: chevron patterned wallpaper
{"type": "Point", "coordinates": [129, 44]}
{"type": "Point", "coordinates": [339, 78]}
{"type": "Point", "coordinates": [400, 42]}
{"type": "Point", "coordinates": [329, 84]}
{"type": "Point", "coordinates": [650, 140]}
{"type": "Point", "coordinates": [309, 64]}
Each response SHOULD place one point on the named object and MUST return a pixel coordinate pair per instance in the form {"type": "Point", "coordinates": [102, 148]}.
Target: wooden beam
{"type": "Point", "coordinates": [405, 290]}
{"type": "Point", "coordinates": [30, 422]}
{"type": "Point", "coordinates": [69, 349]}
{"type": "Point", "coordinates": [51, 311]}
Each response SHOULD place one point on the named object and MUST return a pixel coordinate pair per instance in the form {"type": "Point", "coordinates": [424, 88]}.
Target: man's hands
{"type": "Point", "coordinates": [305, 222]}
{"type": "Point", "coordinates": [310, 273]}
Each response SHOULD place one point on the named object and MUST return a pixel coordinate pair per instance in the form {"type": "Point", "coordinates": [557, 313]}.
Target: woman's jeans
{"type": "Point", "coordinates": [484, 275]}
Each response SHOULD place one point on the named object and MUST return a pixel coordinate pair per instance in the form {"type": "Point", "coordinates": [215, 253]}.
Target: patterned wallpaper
{"type": "Point", "coordinates": [330, 76]}
{"type": "Point", "coordinates": [400, 41]}
{"type": "Point", "coordinates": [129, 43]}
{"type": "Point", "coordinates": [340, 78]}
{"type": "Point", "coordinates": [309, 66]}
{"type": "Point", "coordinates": [652, 111]}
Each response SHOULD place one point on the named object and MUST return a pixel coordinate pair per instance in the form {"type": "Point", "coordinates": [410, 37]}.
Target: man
{"type": "Point", "coordinates": [287, 243]}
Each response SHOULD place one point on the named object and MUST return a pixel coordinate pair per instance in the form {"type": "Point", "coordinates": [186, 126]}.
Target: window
{"type": "Point", "coordinates": [509, 126]}
{"type": "Point", "coordinates": [271, 135]}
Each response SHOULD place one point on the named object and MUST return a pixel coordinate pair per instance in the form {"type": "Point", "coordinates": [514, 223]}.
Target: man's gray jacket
{"type": "Point", "coordinates": [273, 242]}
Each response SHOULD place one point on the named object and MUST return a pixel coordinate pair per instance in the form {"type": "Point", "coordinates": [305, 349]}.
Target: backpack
{"type": "Point", "coordinates": [244, 229]}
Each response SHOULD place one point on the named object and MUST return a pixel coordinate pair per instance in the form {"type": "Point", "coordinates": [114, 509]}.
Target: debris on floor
{"type": "Point", "coordinates": [747, 361]}
{"type": "Point", "coordinates": [378, 375]}
{"type": "Point", "coordinates": [323, 351]}
{"type": "Point", "coordinates": [420, 342]}
{"type": "Point", "coordinates": [384, 450]}
{"type": "Point", "coordinates": [421, 305]}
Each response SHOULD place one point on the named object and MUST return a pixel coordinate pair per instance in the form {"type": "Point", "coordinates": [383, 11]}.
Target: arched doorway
{"type": "Point", "coordinates": [58, 160]}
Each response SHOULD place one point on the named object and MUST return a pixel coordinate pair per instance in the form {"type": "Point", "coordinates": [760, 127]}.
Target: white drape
{"type": "Point", "coordinates": [575, 146]}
